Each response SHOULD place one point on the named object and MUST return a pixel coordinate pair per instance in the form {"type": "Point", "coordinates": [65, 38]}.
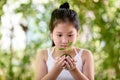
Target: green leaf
{"type": "Point", "coordinates": [61, 49]}
{"type": "Point", "coordinates": [69, 44]}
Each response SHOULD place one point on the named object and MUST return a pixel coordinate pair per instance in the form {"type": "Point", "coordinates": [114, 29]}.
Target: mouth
{"type": "Point", "coordinates": [63, 46]}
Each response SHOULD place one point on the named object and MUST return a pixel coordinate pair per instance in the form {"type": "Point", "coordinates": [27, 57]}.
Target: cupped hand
{"type": "Point", "coordinates": [60, 63]}
{"type": "Point", "coordinates": [70, 63]}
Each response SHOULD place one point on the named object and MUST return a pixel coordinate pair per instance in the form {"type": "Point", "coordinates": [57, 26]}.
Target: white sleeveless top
{"type": "Point", "coordinates": [64, 75]}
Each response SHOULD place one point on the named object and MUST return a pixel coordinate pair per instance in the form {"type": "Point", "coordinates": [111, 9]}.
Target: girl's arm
{"type": "Point", "coordinates": [41, 72]}
{"type": "Point", "coordinates": [88, 68]}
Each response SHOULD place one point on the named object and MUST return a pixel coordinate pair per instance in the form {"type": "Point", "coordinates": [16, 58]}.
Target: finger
{"type": "Point", "coordinates": [64, 67]}
{"type": "Point", "coordinates": [73, 63]}
{"type": "Point", "coordinates": [61, 60]}
{"type": "Point", "coordinates": [70, 61]}
{"type": "Point", "coordinates": [63, 64]}
{"type": "Point", "coordinates": [67, 65]}
{"type": "Point", "coordinates": [57, 59]}
{"type": "Point", "coordinates": [74, 60]}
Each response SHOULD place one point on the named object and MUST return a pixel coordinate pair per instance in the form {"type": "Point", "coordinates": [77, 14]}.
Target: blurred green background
{"type": "Point", "coordinates": [24, 30]}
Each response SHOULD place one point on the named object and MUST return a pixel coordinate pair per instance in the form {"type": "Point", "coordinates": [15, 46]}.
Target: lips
{"type": "Point", "coordinates": [64, 46]}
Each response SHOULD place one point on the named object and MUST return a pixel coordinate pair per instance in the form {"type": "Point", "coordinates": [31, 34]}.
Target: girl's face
{"type": "Point", "coordinates": [63, 33]}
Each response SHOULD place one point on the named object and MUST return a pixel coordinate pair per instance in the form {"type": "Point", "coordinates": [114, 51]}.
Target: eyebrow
{"type": "Point", "coordinates": [58, 32]}
{"type": "Point", "coordinates": [71, 32]}
{"type": "Point", "coordinates": [68, 32]}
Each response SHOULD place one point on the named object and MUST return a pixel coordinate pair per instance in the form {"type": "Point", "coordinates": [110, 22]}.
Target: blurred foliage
{"type": "Point", "coordinates": [100, 26]}
{"type": "Point", "coordinates": [2, 2]}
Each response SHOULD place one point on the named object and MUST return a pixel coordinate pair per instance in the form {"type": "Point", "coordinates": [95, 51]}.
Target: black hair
{"type": "Point", "coordinates": [63, 14]}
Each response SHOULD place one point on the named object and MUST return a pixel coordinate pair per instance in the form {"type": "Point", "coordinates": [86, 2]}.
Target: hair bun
{"type": "Point", "coordinates": [64, 5]}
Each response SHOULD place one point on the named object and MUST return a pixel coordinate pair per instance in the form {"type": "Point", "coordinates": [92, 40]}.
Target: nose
{"type": "Point", "coordinates": [65, 40]}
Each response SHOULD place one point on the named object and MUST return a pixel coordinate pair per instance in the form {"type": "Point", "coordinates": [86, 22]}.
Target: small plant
{"type": "Point", "coordinates": [67, 49]}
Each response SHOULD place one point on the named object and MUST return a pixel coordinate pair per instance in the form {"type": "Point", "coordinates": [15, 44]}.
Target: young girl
{"type": "Point", "coordinates": [50, 65]}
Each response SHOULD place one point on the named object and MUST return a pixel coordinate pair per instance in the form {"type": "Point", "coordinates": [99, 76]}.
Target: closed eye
{"type": "Point", "coordinates": [59, 35]}
{"type": "Point", "coordinates": [70, 35]}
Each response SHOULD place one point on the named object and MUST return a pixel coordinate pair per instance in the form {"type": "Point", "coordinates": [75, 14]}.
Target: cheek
{"type": "Point", "coordinates": [73, 39]}
{"type": "Point", "coordinates": [56, 40]}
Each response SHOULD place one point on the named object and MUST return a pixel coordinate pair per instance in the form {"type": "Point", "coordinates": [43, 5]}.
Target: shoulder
{"type": "Point", "coordinates": [41, 54]}
{"type": "Point", "coordinates": [86, 54]}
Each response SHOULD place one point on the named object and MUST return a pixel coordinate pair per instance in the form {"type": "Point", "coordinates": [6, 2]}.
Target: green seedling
{"type": "Point", "coordinates": [68, 49]}
{"type": "Point", "coordinates": [69, 44]}
{"type": "Point", "coordinates": [61, 49]}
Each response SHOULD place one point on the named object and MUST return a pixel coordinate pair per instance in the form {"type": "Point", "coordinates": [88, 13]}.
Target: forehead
{"type": "Point", "coordinates": [64, 27]}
